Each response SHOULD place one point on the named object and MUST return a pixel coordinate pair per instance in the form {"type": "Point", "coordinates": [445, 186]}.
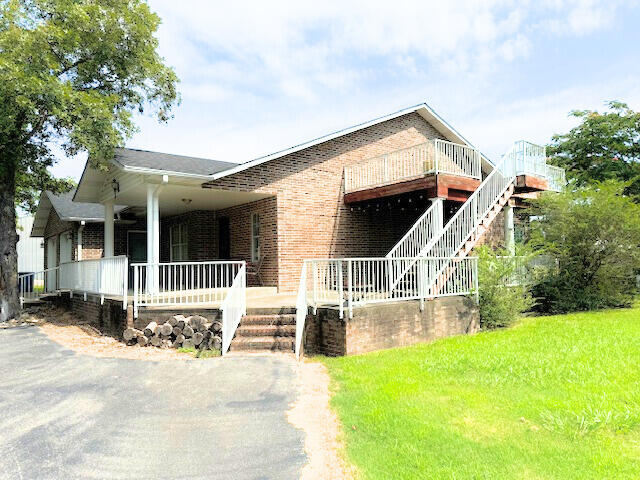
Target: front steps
{"type": "Point", "coordinates": [266, 330]}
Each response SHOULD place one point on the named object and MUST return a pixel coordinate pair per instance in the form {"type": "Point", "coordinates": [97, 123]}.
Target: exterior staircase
{"type": "Point", "coordinates": [462, 232]}
{"type": "Point", "coordinates": [266, 330]}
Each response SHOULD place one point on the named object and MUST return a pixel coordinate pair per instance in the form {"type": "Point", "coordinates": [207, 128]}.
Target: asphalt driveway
{"type": "Point", "coordinates": [65, 415]}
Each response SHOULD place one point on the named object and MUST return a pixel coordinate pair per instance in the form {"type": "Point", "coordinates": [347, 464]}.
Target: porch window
{"type": "Point", "coordinates": [179, 243]}
{"type": "Point", "coordinates": [255, 237]}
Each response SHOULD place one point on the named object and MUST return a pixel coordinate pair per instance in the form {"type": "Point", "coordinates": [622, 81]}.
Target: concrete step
{"type": "Point", "coordinates": [270, 319]}
{"type": "Point", "coordinates": [266, 331]}
{"type": "Point", "coordinates": [271, 310]}
{"type": "Point", "coordinates": [261, 344]}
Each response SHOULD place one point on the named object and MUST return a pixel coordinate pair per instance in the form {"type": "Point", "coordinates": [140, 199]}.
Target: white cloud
{"type": "Point", "coordinates": [259, 76]}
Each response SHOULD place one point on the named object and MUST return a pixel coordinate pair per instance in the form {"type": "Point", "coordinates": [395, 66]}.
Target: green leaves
{"type": "Point", "coordinates": [605, 146]}
{"type": "Point", "coordinates": [594, 232]}
{"type": "Point", "coordinates": [72, 71]}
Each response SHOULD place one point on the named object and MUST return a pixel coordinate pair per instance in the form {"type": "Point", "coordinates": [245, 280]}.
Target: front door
{"type": "Point", "coordinates": [66, 247]}
{"type": "Point", "coordinates": [136, 251]}
{"type": "Point", "coordinates": [224, 239]}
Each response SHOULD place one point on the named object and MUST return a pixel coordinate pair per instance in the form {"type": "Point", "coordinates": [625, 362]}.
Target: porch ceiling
{"type": "Point", "coordinates": [176, 199]}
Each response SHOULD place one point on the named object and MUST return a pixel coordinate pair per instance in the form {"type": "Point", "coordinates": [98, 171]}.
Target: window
{"type": "Point", "coordinates": [255, 237]}
{"type": "Point", "coordinates": [179, 244]}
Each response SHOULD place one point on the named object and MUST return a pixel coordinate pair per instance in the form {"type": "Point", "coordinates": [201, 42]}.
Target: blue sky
{"type": "Point", "coordinates": [257, 77]}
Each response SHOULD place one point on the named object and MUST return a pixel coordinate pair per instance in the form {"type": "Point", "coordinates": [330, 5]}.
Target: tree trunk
{"type": "Point", "coordinates": [9, 299]}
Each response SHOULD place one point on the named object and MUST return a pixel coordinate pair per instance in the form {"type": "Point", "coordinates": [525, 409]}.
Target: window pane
{"type": "Point", "coordinates": [184, 234]}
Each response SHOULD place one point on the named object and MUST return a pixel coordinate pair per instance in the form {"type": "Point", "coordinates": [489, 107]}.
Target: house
{"type": "Point", "coordinates": [379, 216]}
{"type": "Point", "coordinates": [30, 250]}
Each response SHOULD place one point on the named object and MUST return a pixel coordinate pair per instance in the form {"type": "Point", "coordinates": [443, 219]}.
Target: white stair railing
{"type": "Point", "coordinates": [301, 309]}
{"type": "Point", "coordinates": [424, 231]}
{"type": "Point", "coordinates": [31, 286]}
{"type": "Point", "coordinates": [234, 307]}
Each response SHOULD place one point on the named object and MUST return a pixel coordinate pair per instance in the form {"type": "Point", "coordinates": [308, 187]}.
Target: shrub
{"type": "Point", "coordinates": [501, 302]}
{"type": "Point", "coordinates": [594, 233]}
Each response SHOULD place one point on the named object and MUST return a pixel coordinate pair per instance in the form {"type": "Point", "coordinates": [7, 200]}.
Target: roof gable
{"type": "Point", "coordinates": [423, 109]}
{"type": "Point", "coordinates": [67, 210]}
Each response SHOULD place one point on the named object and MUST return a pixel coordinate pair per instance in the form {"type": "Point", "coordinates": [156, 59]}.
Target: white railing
{"type": "Point", "coordinates": [180, 283]}
{"type": "Point", "coordinates": [354, 282]}
{"type": "Point", "coordinates": [423, 232]}
{"type": "Point", "coordinates": [457, 159]}
{"type": "Point", "coordinates": [530, 159]}
{"type": "Point", "coordinates": [301, 309]}
{"type": "Point", "coordinates": [437, 156]}
{"type": "Point", "coordinates": [100, 276]}
{"type": "Point", "coordinates": [32, 286]}
{"type": "Point", "coordinates": [526, 270]}
{"type": "Point", "coordinates": [234, 307]}
{"type": "Point", "coordinates": [556, 178]}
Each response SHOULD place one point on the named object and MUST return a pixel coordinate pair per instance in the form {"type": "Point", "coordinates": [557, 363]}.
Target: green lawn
{"type": "Point", "coordinates": [551, 397]}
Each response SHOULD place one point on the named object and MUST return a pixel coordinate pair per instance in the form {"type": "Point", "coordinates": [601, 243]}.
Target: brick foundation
{"type": "Point", "coordinates": [377, 327]}
{"type": "Point", "coordinates": [109, 317]}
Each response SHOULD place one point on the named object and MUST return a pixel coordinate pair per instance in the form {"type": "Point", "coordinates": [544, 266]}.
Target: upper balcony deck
{"type": "Point", "coordinates": [444, 169]}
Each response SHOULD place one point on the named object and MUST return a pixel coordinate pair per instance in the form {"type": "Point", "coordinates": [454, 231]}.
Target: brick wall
{"type": "Point", "coordinates": [201, 235]}
{"type": "Point", "coordinates": [109, 317]}
{"type": "Point", "coordinates": [376, 327]}
{"type": "Point", "coordinates": [240, 236]}
{"type": "Point", "coordinates": [312, 219]}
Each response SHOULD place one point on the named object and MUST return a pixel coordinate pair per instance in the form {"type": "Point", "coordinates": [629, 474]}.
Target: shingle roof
{"type": "Point", "coordinates": [67, 209]}
{"type": "Point", "coordinates": [144, 159]}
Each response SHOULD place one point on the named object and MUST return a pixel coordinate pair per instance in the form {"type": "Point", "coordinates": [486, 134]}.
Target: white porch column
{"type": "Point", "coordinates": [153, 238]}
{"type": "Point", "coordinates": [80, 231]}
{"type": "Point", "coordinates": [108, 229]}
{"type": "Point", "coordinates": [509, 233]}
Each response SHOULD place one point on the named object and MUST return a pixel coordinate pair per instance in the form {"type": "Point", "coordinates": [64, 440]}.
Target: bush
{"type": "Point", "coordinates": [594, 233]}
{"type": "Point", "coordinates": [500, 302]}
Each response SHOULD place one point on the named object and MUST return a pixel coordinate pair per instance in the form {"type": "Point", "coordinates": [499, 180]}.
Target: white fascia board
{"type": "Point", "coordinates": [152, 171]}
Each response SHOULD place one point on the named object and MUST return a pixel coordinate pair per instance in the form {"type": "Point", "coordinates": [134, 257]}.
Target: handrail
{"type": "Point", "coordinates": [301, 309]}
{"type": "Point", "coordinates": [107, 276]}
{"type": "Point", "coordinates": [234, 307]}
{"type": "Point", "coordinates": [32, 285]}
{"type": "Point", "coordinates": [177, 283]}
{"type": "Point", "coordinates": [421, 233]}
{"type": "Point", "coordinates": [433, 156]}
{"type": "Point", "coordinates": [363, 281]}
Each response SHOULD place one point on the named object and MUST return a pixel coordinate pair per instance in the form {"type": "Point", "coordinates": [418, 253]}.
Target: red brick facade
{"type": "Point", "coordinates": [312, 219]}
{"type": "Point", "coordinates": [305, 215]}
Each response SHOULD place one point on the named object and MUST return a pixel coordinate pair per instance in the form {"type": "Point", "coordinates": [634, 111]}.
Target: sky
{"type": "Point", "coordinates": [258, 77]}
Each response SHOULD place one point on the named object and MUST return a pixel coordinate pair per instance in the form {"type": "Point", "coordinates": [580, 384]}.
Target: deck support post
{"type": "Point", "coordinates": [509, 231]}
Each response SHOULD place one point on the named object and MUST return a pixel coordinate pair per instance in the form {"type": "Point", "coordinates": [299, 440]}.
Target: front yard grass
{"type": "Point", "coordinates": [550, 397]}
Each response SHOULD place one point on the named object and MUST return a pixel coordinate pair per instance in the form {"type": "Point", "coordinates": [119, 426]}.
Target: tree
{"type": "Point", "coordinates": [501, 296]}
{"type": "Point", "coordinates": [594, 233]}
{"type": "Point", "coordinates": [605, 146]}
{"type": "Point", "coordinates": [71, 73]}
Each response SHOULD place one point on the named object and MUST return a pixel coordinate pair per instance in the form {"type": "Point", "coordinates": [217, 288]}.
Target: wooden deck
{"type": "Point", "coordinates": [449, 187]}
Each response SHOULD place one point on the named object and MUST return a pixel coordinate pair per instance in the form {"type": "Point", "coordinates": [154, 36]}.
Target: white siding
{"type": "Point", "coordinates": [30, 249]}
